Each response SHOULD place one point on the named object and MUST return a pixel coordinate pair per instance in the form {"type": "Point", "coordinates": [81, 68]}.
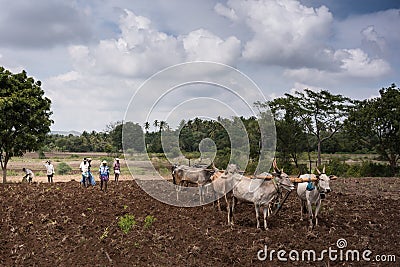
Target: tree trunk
{"type": "Point", "coordinates": [319, 153]}
{"type": "Point", "coordinates": [393, 164]}
{"type": "Point", "coordinates": [4, 160]}
{"type": "Point", "coordinates": [5, 174]}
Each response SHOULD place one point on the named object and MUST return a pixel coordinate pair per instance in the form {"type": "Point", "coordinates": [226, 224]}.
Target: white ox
{"type": "Point", "coordinates": [313, 196]}
{"type": "Point", "coordinates": [260, 191]}
{"type": "Point", "coordinates": [222, 184]}
{"type": "Point", "coordinates": [184, 175]}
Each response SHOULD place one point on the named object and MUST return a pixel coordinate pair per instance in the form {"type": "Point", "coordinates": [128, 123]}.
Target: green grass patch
{"type": "Point", "coordinates": [148, 221]}
{"type": "Point", "coordinates": [126, 223]}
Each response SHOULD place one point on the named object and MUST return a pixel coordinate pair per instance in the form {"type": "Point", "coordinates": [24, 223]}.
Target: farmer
{"type": "Point", "coordinates": [117, 169]}
{"type": "Point", "coordinates": [49, 171]}
{"type": "Point", "coordinates": [28, 173]}
{"type": "Point", "coordinates": [104, 174]}
{"type": "Point", "coordinates": [84, 168]}
{"type": "Point", "coordinates": [91, 178]}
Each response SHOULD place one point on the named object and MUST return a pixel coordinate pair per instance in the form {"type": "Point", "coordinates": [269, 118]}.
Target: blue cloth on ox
{"type": "Point", "coordinates": [310, 186]}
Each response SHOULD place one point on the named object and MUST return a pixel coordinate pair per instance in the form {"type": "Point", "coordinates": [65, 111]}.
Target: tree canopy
{"type": "Point", "coordinates": [376, 123]}
{"type": "Point", "coordinates": [24, 115]}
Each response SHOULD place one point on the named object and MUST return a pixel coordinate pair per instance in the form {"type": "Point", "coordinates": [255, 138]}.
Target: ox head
{"type": "Point", "coordinates": [283, 178]}
{"type": "Point", "coordinates": [173, 172]}
{"type": "Point", "coordinates": [323, 182]}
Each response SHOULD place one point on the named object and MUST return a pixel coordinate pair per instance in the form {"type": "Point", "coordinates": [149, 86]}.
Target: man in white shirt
{"type": "Point", "coordinates": [49, 171]}
{"type": "Point", "coordinates": [84, 167]}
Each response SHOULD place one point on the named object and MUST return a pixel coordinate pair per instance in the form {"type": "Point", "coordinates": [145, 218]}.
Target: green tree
{"type": "Point", "coordinates": [133, 137]}
{"type": "Point", "coordinates": [24, 116]}
{"type": "Point", "coordinates": [290, 132]}
{"type": "Point", "coordinates": [115, 135]}
{"type": "Point", "coordinates": [376, 123]}
{"type": "Point", "coordinates": [322, 113]}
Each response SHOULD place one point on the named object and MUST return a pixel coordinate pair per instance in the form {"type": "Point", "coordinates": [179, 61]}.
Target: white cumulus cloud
{"type": "Point", "coordinates": [203, 45]}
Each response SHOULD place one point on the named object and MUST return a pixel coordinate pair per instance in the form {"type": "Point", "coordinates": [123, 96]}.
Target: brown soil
{"type": "Point", "coordinates": [63, 224]}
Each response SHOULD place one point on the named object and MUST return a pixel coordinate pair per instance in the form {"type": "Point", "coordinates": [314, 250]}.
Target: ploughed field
{"type": "Point", "coordinates": [62, 224]}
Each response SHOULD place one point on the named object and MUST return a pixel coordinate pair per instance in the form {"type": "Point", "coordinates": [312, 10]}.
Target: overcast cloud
{"type": "Point", "coordinates": [93, 55]}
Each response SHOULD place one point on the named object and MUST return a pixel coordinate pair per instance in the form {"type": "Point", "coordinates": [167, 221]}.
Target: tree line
{"type": "Point", "coordinates": [306, 121]}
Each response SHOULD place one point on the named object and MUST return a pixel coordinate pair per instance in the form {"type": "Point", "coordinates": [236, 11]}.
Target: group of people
{"type": "Point", "coordinates": [104, 172]}
{"type": "Point", "coordinates": [29, 175]}
{"type": "Point", "coordinates": [85, 168]}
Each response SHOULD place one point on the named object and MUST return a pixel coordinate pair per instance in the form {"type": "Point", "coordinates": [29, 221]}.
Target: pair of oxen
{"type": "Point", "coordinates": [262, 192]}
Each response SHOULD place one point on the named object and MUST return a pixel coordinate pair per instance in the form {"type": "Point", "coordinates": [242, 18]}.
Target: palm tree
{"type": "Point", "coordinates": [162, 125]}
{"type": "Point", "coordinates": [155, 123]}
{"type": "Point", "coordinates": [147, 126]}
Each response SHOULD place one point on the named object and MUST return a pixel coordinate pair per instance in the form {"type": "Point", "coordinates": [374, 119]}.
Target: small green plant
{"type": "Point", "coordinates": [148, 221]}
{"type": "Point", "coordinates": [126, 223]}
{"type": "Point", "coordinates": [63, 168]}
{"type": "Point", "coordinates": [125, 207]}
{"type": "Point", "coordinates": [104, 235]}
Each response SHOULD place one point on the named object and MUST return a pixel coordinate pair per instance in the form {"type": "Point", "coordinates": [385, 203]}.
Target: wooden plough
{"type": "Point", "coordinates": [311, 178]}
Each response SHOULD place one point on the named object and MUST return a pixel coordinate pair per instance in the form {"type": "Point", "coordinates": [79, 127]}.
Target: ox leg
{"type": "Point", "coordinates": [316, 212]}
{"type": "Point", "coordinates": [310, 214]}
{"type": "Point", "coordinates": [302, 209]}
{"type": "Point", "coordinates": [201, 193]}
{"type": "Point", "coordinates": [228, 209]}
{"type": "Point", "coordinates": [177, 189]}
{"type": "Point", "coordinates": [257, 207]}
{"type": "Point", "coordinates": [265, 213]}
{"type": "Point", "coordinates": [232, 210]}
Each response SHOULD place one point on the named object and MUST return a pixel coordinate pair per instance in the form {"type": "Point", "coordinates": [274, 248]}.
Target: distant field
{"type": "Point", "coordinates": [140, 166]}
{"type": "Point", "coordinates": [32, 161]}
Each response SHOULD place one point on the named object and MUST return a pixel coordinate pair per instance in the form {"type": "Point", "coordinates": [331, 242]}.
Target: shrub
{"type": "Point", "coordinates": [63, 168]}
{"type": "Point", "coordinates": [301, 169]}
{"type": "Point", "coordinates": [41, 154]}
{"type": "Point", "coordinates": [126, 223]}
{"type": "Point", "coordinates": [353, 171]}
{"type": "Point", "coordinates": [175, 152]}
{"type": "Point", "coordinates": [337, 167]}
{"type": "Point", "coordinates": [371, 169]}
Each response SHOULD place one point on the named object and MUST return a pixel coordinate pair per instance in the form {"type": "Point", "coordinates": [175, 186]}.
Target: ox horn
{"type": "Point", "coordinates": [332, 177]}
{"type": "Point", "coordinates": [275, 167]}
{"type": "Point", "coordinates": [323, 170]}
{"type": "Point", "coordinates": [213, 166]}
{"type": "Point", "coordinates": [319, 173]}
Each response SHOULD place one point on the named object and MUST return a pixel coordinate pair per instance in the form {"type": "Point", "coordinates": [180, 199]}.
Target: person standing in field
{"type": "Point", "coordinates": [117, 169]}
{"type": "Point", "coordinates": [91, 178]}
{"type": "Point", "coordinates": [28, 174]}
{"type": "Point", "coordinates": [104, 174]}
{"type": "Point", "coordinates": [49, 171]}
{"type": "Point", "coordinates": [84, 168]}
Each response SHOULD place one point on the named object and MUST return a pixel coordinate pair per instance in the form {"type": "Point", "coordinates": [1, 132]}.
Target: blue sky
{"type": "Point", "coordinates": [92, 56]}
